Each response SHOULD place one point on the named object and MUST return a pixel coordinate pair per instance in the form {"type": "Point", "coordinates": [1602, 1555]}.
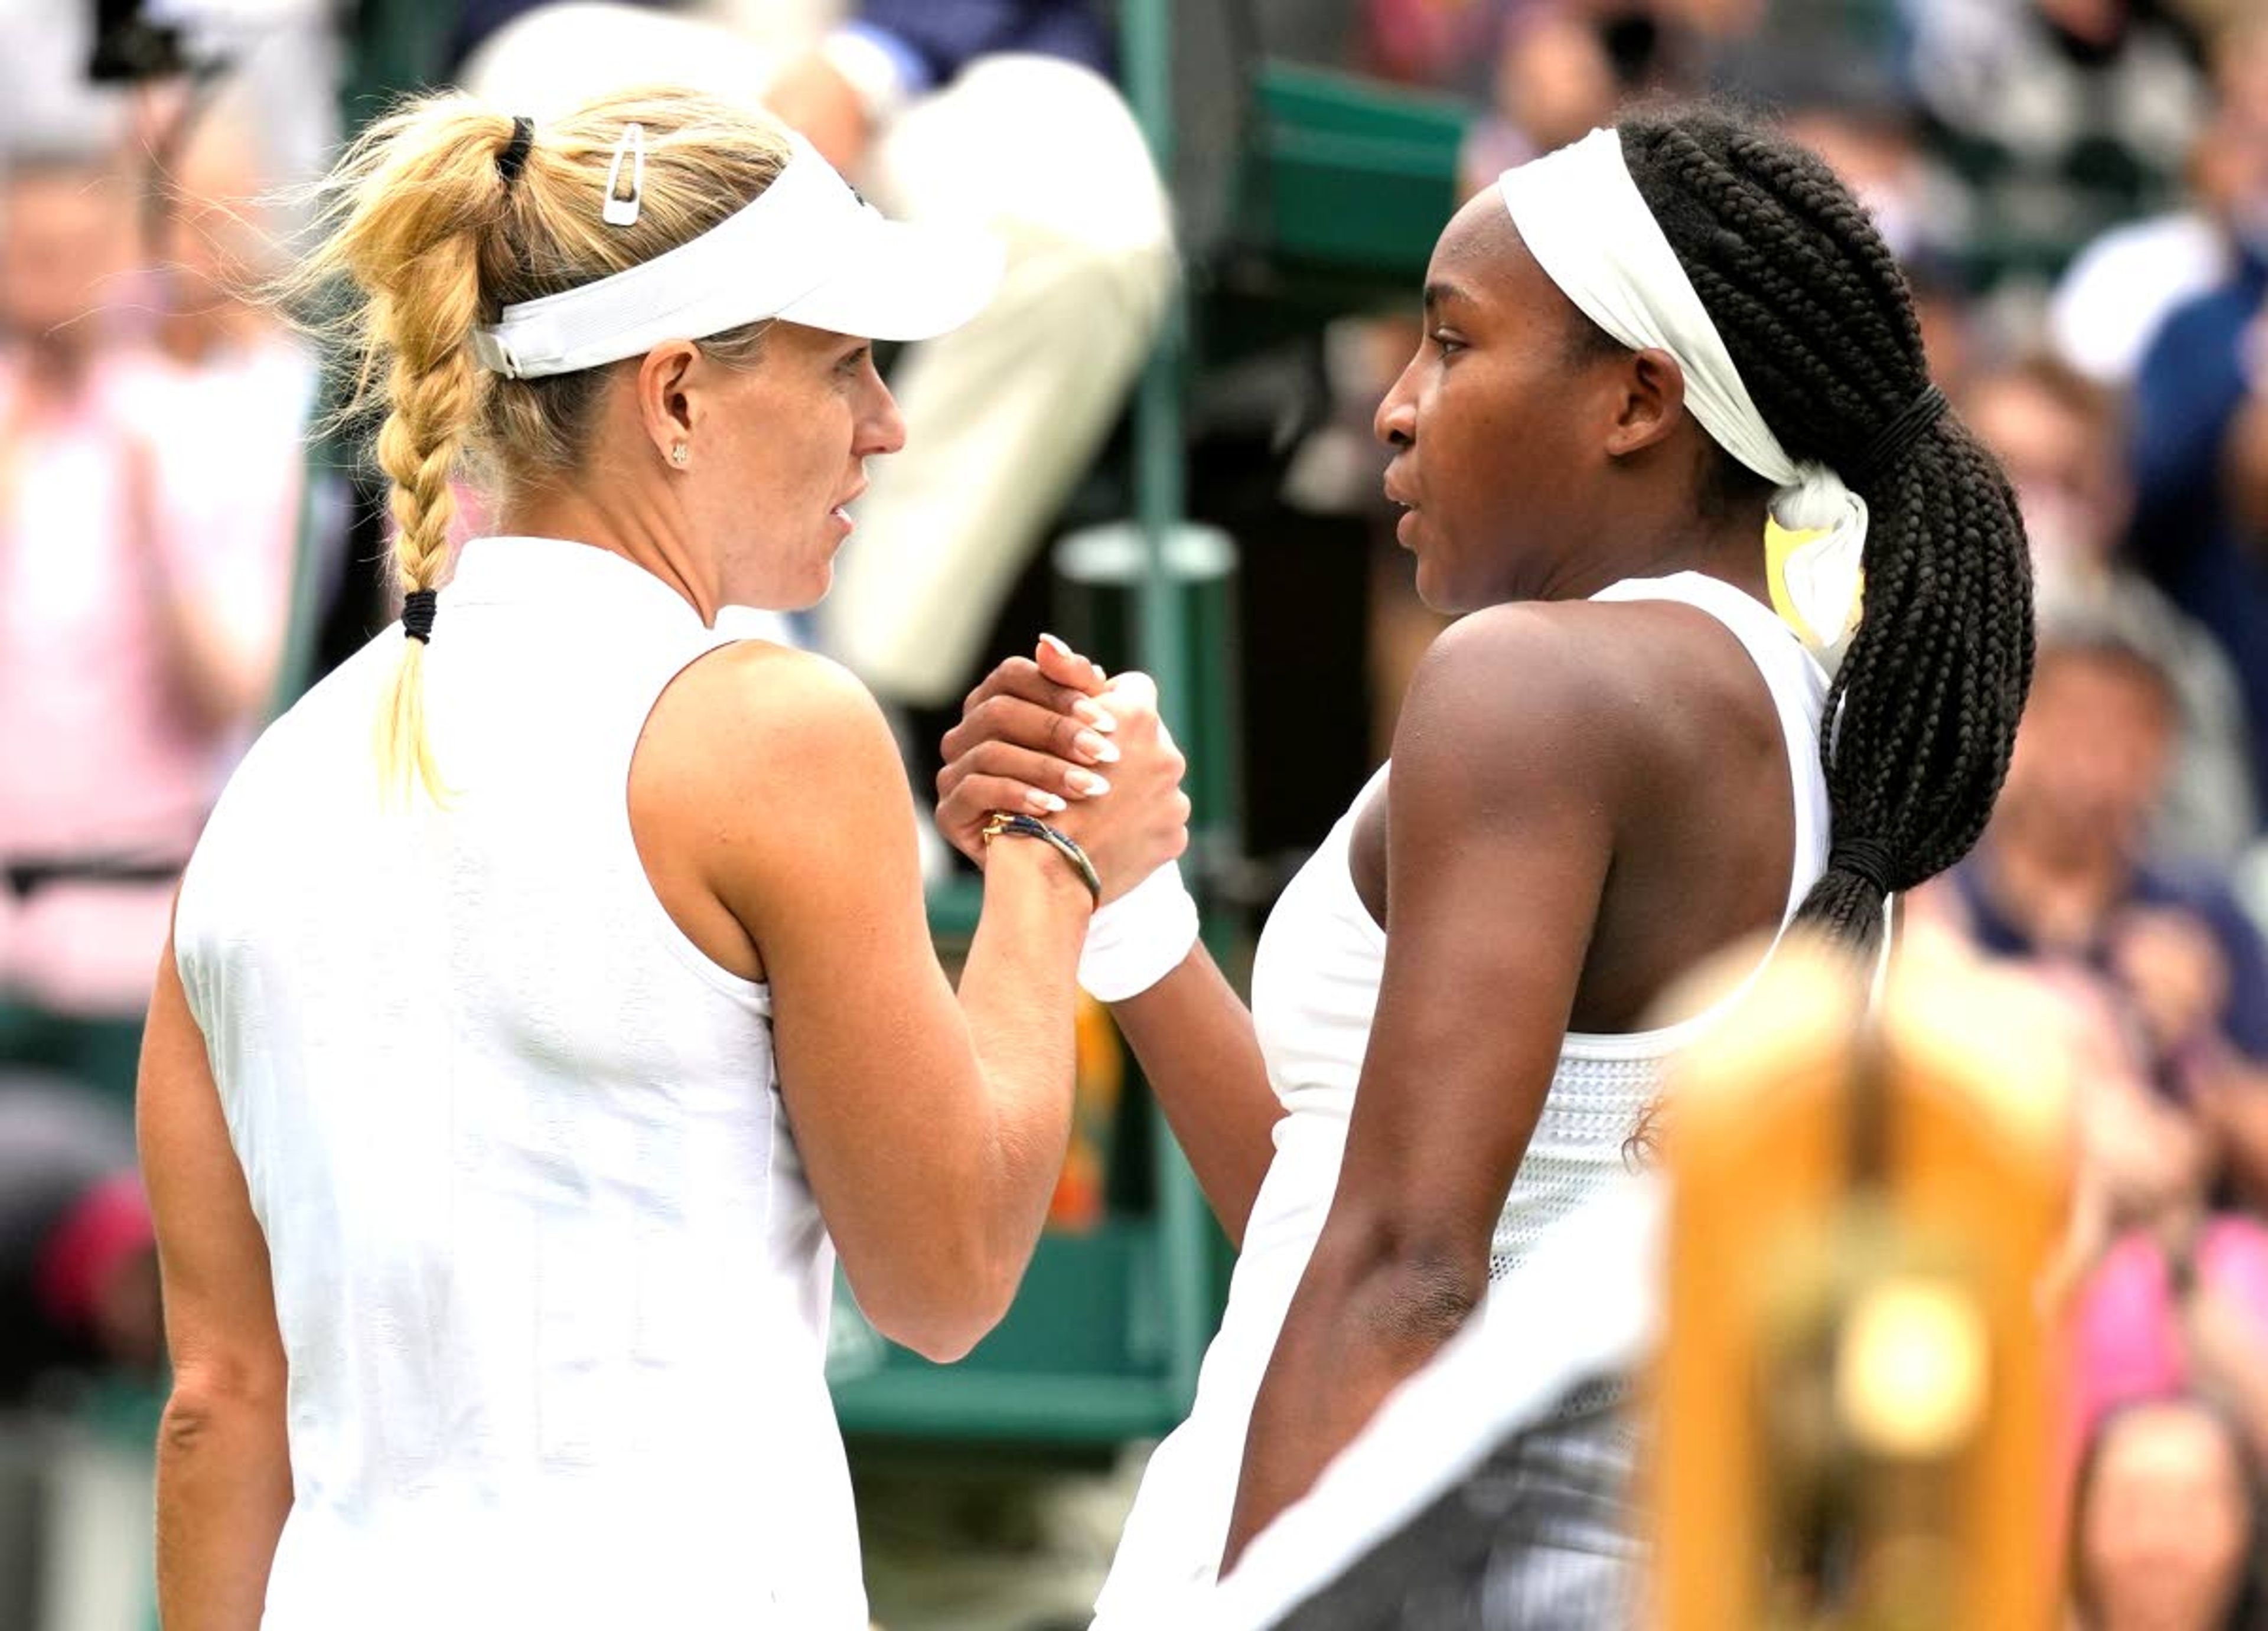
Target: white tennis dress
{"type": "Point", "coordinates": [1315, 989]}
{"type": "Point", "coordinates": [552, 1286]}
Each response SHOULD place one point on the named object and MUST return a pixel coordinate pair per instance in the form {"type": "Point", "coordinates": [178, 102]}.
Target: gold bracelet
{"type": "Point", "coordinates": [1026, 826]}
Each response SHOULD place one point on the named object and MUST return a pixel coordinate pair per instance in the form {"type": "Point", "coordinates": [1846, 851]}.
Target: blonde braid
{"type": "Point", "coordinates": [435, 389]}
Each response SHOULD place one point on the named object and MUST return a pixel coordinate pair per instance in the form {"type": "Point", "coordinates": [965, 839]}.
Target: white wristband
{"type": "Point", "coordinates": [1140, 938]}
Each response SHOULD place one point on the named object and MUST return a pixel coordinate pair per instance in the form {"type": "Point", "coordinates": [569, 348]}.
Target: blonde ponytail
{"type": "Point", "coordinates": [421, 225]}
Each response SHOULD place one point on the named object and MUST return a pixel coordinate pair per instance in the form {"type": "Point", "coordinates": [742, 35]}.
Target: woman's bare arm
{"type": "Point", "coordinates": [224, 1470]}
{"type": "Point", "coordinates": [932, 1126]}
{"type": "Point", "coordinates": [1497, 852]}
{"type": "Point", "coordinates": [1195, 1040]}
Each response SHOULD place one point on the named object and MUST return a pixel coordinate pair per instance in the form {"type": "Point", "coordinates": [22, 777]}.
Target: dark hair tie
{"type": "Point", "coordinates": [418, 614]}
{"type": "Point", "coordinates": [1866, 859]}
{"type": "Point", "coordinates": [513, 159]}
{"type": "Point", "coordinates": [1891, 444]}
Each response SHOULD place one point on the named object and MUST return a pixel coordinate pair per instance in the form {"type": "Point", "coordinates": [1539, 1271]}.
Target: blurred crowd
{"type": "Point", "coordinates": [2078, 190]}
{"type": "Point", "coordinates": [152, 482]}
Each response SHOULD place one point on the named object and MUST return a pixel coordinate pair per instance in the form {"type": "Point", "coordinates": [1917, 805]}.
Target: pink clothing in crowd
{"type": "Point", "coordinates": [2130, 1345]}
{"type": "Point", "coordinates": [161, 480]}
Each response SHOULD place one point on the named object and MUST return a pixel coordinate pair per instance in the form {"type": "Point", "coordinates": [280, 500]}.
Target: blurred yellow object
{"type": "Point", "coordinates": [1856, 1399]}
{"type": "Point", "coordinates": [1912, 1372]}
{"type": "Point", "coordinates": [1081, 1194]}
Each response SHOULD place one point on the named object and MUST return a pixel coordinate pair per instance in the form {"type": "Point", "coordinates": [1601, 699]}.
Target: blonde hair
{"type": "Point", "coordinates": [422, 231]}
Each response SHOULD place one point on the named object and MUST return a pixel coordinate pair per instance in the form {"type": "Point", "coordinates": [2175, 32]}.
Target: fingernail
{"type": "Point", "coordinates": [1093, 714]}
{"type": "Point", "coordinates": [1045, 803]}
{"type": "Point", "coordinates": [1049, 640]}
{"type": "Point", "coordinates": [1086, 783]}
{"type": "Point", "coordinates": [1097, 748]}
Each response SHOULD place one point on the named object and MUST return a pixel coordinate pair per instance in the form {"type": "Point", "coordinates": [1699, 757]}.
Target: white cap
{"type": "Point", "coordinates": [807, 250]}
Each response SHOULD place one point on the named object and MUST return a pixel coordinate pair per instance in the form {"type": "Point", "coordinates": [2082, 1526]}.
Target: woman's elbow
{"type": "Point", "coordinates": [209, 1400]}
{"type": "Point", "coordinates": [943, 1334]}
{"type": "Point", "coordinates": [221, 1382]}
{"type": "Point", "coordinates": [944, 1316]}
{"type": "Point", "coordinates": [1401, 1278]}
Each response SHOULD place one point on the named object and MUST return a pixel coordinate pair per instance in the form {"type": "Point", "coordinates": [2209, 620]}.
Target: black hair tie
{"type": "Point", "coordinates": [513, 159]}
{"type": "Point", "coordinates": [1866, 859]}
{"type": "Point", "coordinates": [1891, 442]}
{"type": "Point", "coordinates": [418, 614]}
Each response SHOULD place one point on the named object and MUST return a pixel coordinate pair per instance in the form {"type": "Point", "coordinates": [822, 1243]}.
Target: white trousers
{"type": "Point", "coordinates": [1004, 414]}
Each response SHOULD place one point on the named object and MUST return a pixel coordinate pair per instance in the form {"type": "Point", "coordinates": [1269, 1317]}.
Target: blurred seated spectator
{"type": "Point", "coordinates": [2200, 477]}
{"type": "Point", "coordinates": [1443, 44]}
{"type": "Point", "coordinates": [994, 113]}
{"type": "Point", "coordinates": [2116, 296]}
{"type": "Point", "coordinates": [223, 394]}
{"type": "Point", "coordinates": [2064, 879]}
{"type": "Point", "coordinates": [1554, 83]}
{"type": "Point", "coordinates": [1868, 135]}
{"type": "Point", "coordinates": [2060, 439]}
{"type": "Point", "coordinates": [79, 1276]}
{"type": "Point", "coordinates": [1648, 47]}
{"type": "Point", "coordinates": [2058, 119]}
{"type": "Point", "coordinates": [1956, 332]}
{"type": "Point", "coordinates": [149, 502]}
{"type": "Point", "coordinates": [2167, 1531]}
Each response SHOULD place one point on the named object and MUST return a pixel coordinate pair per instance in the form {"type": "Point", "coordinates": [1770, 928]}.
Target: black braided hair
{"type": "Point", "coordinates": [1818, 319]}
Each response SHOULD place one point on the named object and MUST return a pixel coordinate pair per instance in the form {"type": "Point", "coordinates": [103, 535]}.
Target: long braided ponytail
{"type": "Point", "coordinates": [1817, 317]}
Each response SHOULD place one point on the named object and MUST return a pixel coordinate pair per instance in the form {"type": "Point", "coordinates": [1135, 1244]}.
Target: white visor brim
{"type": "Point", "coordinates": [905, 281]}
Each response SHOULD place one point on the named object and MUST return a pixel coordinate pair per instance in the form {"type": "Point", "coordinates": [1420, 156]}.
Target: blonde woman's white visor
{"type": "Point", "coordinates": [807, 250]}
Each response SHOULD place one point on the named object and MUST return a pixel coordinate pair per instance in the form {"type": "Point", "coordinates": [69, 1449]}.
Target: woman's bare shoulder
{"type": "Point", "coordinates": [753, 718]}
{"type": "Point", "coordinates": [1575, 690]}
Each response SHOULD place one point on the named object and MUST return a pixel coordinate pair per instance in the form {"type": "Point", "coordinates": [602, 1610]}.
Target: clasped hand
{"type": "Point", "coordinates": [1051, 736]}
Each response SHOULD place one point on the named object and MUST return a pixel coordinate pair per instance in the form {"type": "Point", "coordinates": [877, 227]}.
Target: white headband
{"type": "Point", "coordinates": [807, 250]}
{"type": "Point", "coordinates": [1585, 223]}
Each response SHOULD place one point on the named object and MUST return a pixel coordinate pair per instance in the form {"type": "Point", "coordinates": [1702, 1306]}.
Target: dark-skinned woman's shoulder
{"type": "Point", "coordinates": [1617, 696]}
{"type": "Point", "coordinates": [1620, 764]}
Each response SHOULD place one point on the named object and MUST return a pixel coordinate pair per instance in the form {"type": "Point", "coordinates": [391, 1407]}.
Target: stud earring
{"type": "Point", "coordinates": [679, 454]}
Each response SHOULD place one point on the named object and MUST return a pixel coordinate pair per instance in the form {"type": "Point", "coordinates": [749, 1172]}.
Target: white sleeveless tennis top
{"type": "Point", "coordinates": [552, 1286]}
{"type": "Point", "coordinates": [1315, 989]}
